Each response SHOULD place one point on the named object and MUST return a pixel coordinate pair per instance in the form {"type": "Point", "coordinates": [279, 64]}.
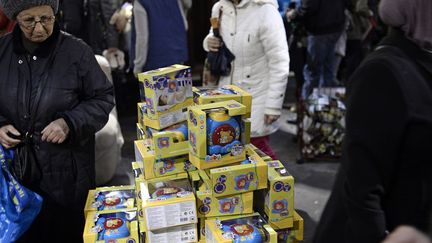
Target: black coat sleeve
{"type": "Point", "coordinates": [376, 118]}
{"type": "Point", "coordinates": [96, 100]}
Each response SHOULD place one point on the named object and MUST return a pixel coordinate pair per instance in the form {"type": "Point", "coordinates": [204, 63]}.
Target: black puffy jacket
{"type": "Point", "coordinates": [76, 89]}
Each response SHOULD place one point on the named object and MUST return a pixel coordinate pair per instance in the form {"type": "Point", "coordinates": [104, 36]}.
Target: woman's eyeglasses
{"type": "Point", "coordinates": [30, 22]}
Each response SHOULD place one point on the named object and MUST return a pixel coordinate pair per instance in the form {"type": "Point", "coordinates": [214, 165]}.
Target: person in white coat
{"type": "Point", "coordinates": [254, 32]}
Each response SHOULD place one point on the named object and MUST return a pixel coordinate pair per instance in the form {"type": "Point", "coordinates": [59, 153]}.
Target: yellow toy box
{"type": "Point", "coordinates": [107, 199]}
{"type": "Point", "coordinates": [168, 92]}
{"type": "Point", "coordinates": [120, 226]}
{"type": "Point", "coordinates": [249, 175]}
{"type": "Point", "coordinates": [171, 141]}
{"type": "Point", "coordinates": [154, 167]}
{"type": "Point", "coordinates": [140, 132]}
{"type": "Point", "coordinates": [142, 108]}
{"type": "Point", "coordinates": [217, 134]}
{"type": "Point", "coordinates": [204, 96]}
{"type": "Point", "coordinates": [178, 234]}
{"type": "Point", "coordinates": [294, 234]}
{"type": "Point", "coordinates": [210, 206]}
{"type": "Point", "coordinates": [167, 202]}
{"type": "Point", "coordinates": [240, 229]}
{"type": "Point", "coordinates": [279, 201]}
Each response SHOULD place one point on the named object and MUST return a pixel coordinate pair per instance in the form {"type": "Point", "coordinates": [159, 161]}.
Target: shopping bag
{"type": "Point", "coordinates": [19, 206]}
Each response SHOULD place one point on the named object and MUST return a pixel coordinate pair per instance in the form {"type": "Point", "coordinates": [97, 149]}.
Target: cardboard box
{"type": "Point", "coordinates": [141, 135]}
{"type": "Point", "coordinates": [279, 201]}
{"type": "Point", "coordinates": [171, 141]}
{"type": "Point", "coordinates": [168, 92]}
{"type": "Point", "coordinates": [154, 167]}
{"type": "Point", "coordinates": [108, 199]}
{"type": "Point", "coordinates": [184, 233]}
{"type": "Point", "coordinates": [204, 96]}
{"type": "Point", "coordinates": [167, 202]}
{"type": "Point", "coordinates": [217, 134]}
{"type": "Point", "coordinates": [120, 226]}
{"type": "Point", "coordinates": [240, 229]}
{"type": "Point", "coordinates": [294, 234]}
{"type": "Point", "coordinates": [210, 206]}
{"type": "Point", "coordinates": [248, 176]}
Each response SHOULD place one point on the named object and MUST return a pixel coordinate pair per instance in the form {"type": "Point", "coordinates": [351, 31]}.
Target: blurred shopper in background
{"type": "Point", "coordinates": [159, 34]}
{"type": "Point", "coordinates": [385, 179]}
{"type": "Point", "coordinates": [6, 25]}
{"type": "Point", "coordinates": [54, 98]}
{"type": "Point", "coordinates": [324, 22]}
{"type": "Point", "coordinates": [253, 31]}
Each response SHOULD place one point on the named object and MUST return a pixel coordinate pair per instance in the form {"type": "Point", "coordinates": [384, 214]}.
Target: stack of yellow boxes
{"type": "Point", "coordinates": [111, 215]}
{"type": "Point", "coordinates": [166, 202]}
{"type": "Point", "coordinates": [196, 173]}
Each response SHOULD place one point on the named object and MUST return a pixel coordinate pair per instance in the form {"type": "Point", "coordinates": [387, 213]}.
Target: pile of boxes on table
{"type": "Point", "coordinates": [197, 177]}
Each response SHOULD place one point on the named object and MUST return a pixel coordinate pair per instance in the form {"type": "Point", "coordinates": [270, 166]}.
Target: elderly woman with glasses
{"type": "Point", "coordinates": [53, 99]}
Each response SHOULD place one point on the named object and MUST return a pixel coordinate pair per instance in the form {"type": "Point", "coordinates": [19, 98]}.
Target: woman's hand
{"type": "Point", "coordinates": [270, 119]}
{"type": "Point", "coordinates": [213, 43]}
{"type": "Point", "coordinates": [56, 132]}
{"type": "Point", "coordinates": [9, 136]}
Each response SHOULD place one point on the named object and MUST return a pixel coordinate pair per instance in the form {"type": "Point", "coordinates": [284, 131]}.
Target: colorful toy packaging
{"type": "Point", "coordinates": [217, 134]}
{"type": "Point", "coordinates": [249, 175]}
{"type": "Point", "coordinates": [184, 233]}
{"type": "Point", "coordinates": [249, 229]}
{"type": "Point", "coordinates": [140, 132]}
{"type": "Point", "coordinates": [210, 206]}
{"type": "Point", "coordinates": [107, 199]}
{"type": "Point", "coordinates": [119, 226]}
{"type": "Point", "coordinates": [204, 96]}
{"type": "Point", "coordinates": [157, 167]}
{"type": "Point", "coordinates": [279, 201]}
{"type": "Point", "coordinates": [171, 141]}
{"type": "Point", "coordinates": [167, 202]}
{"type": "Point", "coordinates": [294, 234]}
{"type": "Point", "coordinates": [168, 92]}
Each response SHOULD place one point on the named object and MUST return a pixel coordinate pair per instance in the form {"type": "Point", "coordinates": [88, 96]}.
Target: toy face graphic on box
{"type": "Point", "coordinates": [121, 226]}
{"type": "Point", "coordinates": [227, 92]}
{"type": "Point", "coordinates": [217, 134]}
{"type": "Point", "coordinates": [249, 175]}
{"type": "Point", "coordinates": [184, 233]}
{"type": "Point", "coordinates": [168, 201]}
{"type": "Point", "coordinates": [279, 201]}
{"type": "Point", "coordinates": [107, 199]}
{"type": "Point", "coordinates": [210, 206]}
{"type": "Point", "coordinates": [167, 92]}
{"type": "Point", "coordinates": [240, 230]}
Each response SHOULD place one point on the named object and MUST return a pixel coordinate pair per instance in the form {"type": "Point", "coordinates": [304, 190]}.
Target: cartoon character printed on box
{"type": "Point", "coordinates": [280, 206]}
{"type": "Point", "coordinates": [228, 205]}
{"type": "Point", "coordinates": [112, 199]}
{"type": "Point", "coordinates": [165, 165]}
{"type": "Point", "coordinates": [223, 134]}
{"type": "Point", "coordinates": [242, 230]}
{"type": "Point", "coordinates": [112, 226]}
{"type": "Point", "coordinates": [172, 91]}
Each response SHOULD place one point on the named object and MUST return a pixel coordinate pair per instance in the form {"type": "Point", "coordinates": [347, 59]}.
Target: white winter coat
{"type": "Point", "coordinates": [253, 30]}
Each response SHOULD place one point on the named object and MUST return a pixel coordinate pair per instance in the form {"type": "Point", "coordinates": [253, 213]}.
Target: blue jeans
{"type": "Point", "coordinates": [319, 68]}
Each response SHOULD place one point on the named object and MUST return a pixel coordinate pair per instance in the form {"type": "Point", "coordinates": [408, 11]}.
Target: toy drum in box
{"type": "Point", "coordinates": [218, 133]}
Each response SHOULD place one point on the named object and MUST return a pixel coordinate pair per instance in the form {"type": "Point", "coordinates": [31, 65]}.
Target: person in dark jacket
{"type": "Point", "coordinates": [53, 99]}
{"type": "Point", "coordinates": [324, 21]}
{"type": "Point", "coordinates": [385, 179]}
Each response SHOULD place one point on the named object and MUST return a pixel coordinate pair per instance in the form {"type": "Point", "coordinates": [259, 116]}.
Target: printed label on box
{"type": "Point", "coordinates": [187, 233]}
{"type": "Point", "coordinates": [170, 215]}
